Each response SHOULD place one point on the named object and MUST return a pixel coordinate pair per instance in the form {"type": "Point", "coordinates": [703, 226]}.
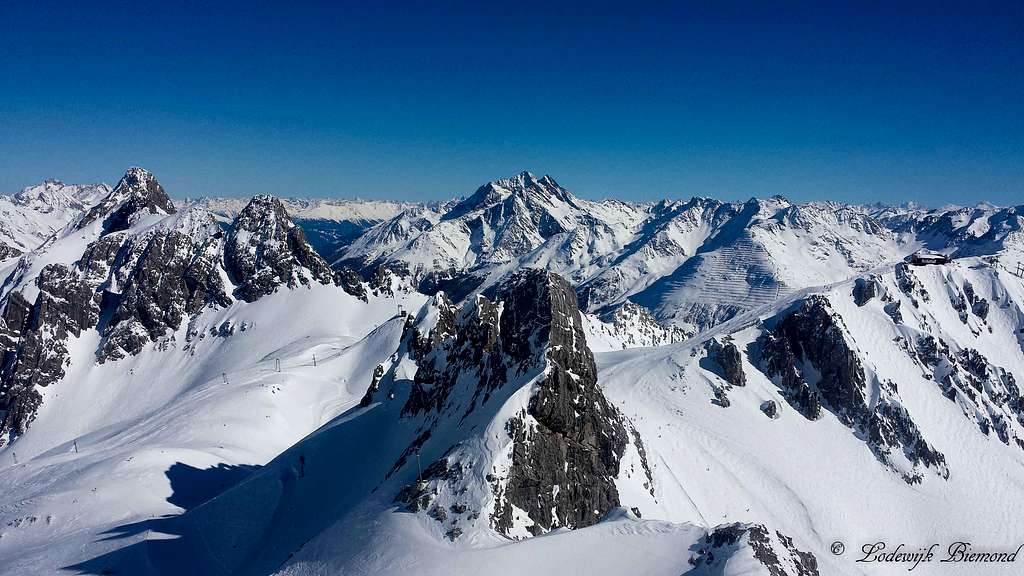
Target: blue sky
{"type": "Point", "coordinates": [854, 102]}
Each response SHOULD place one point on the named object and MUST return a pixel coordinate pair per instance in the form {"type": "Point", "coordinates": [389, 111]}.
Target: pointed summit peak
{"type": "Point", "coordinates": [524, 178]}
{"type": "Point", "coordinates": [137, 173]}
{"type": "Point", "coordinates": [522, 181]}
{"type": "Point", "coordinates": [136, 194]}
{"type": "Point", "coordinates": [265, 250]}
{"type": "Point", "coordinates": [139, 183]}
{"type": "Point", "coordinates": [264, 212]}
{"type": "Point", "coordinates": [524, 185]}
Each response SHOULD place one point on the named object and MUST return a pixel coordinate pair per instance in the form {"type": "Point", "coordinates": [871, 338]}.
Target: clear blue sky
{"type": "Point", "coordinates": [858, 102]}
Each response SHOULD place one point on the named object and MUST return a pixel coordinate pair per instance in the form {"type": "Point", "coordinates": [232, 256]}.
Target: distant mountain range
{"type": "Point", "coordinates": [517, 381]}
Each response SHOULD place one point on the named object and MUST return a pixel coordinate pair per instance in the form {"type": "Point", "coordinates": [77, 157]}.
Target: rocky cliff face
{"type": "Point", "coordinates": [986, 393]}
{"type": "Point", "coordinates": [729, 361]}
{"type": "Point", "coordinates": [810, 357]}
{"type": "Point", "coordinates": [630, 325]}
{"type": "Point", "coordinates": [566, 454]}
{"type": "Point", "coordinates": [564, 445]}
{"type": "Point", "coordinates": [35, 336]}
{"type": "Point", "coordinates": [156, 280]}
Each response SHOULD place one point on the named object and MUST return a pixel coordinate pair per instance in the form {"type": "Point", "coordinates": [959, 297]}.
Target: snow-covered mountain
{"type": "Point", "coordinates": [32, 215]}
{"type": "Point", "coordinates": [520, 381]}
{"type": "Point", "coordinates": [127, 274]}
{"type": "Point", "coordinates": [330, 224]}
{"type": "Point", "coordinates": [692, 264]}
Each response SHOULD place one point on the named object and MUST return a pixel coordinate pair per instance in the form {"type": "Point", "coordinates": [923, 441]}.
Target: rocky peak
{"type": "Point", "coordinates": [136, 194]}
{"type": "Point", "coordinates": [525, 189]}
{"type": "Point", "coordinates": [566, 442]}
{"type": "Point", "coordinates": [265, 249]}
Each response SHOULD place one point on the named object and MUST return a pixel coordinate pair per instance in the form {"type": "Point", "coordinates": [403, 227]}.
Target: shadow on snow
{"type": "Point", "coordinates": [157, 541]}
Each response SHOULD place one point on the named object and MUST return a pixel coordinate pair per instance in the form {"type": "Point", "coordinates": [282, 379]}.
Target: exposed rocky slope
{"type": "Point", "coordinates": [564, 443]}
{"type": "Point", "coordinates": [629, 326]}
{"type": "Point", "coordinates": [265, 250]}
{"type": "Point", "coordinates": [817, 367]}
{"type": "Point", "coordinates": [141, 270]}
{"type": "Point", "coordinates": [774, 554]}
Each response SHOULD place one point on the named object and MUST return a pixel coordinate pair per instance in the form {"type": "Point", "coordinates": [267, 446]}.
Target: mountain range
{"type": "Point", "coordinates": [515, 381]}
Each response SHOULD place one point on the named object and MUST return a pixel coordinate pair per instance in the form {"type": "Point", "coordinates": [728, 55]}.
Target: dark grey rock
{"type": "Point", "coordinates": [721, 398]}
{"type": "Point", "coordinates": [165, 277]}
{"type": "Point", "coordinates": [580, 438]}
{"type": "Point", "coordinates": [910, 285]}
{"type": "Point", "coordinates": [36, 337]}
{"type": "Point", "coordinates": [864, 289]}
{"type": "Point", "coordinates": [986, 393]}
{"type": "Point", "coordinates": [729, 359]}
{"type": "Point", "coordinates": [569, 435]}
{"type": "Point", "coordinates": [728, 543]}
{"type": "Point", "coordinates": [892, 309]}
{"type": "Point", "coordinates": [979, 305]}
{"type": "Point", "coordinates": [7, 251]}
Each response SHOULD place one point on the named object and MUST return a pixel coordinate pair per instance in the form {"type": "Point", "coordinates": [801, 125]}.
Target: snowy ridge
{"type": "Point", "coordinates": [692, 264]}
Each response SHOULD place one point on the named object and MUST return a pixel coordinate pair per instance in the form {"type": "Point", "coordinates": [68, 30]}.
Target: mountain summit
{"type": "Point", "coordinates": [137, 193]}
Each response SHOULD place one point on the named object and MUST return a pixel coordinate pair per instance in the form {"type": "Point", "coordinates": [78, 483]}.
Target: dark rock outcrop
{"type": "Point", "coordinates": [864, 289]}
{"type": "Point", "coordinates": [728, 358]}
{"type": "Point", "coordinates": [266, 250]}
{"type": "Point", "coordinates": [892, 309]}
{"type": "Point", "coordinates": [351, 282]}
{"type": "Point", "coordinates": [567, 442]}
{"type": "Point", "coordinates": [7, 251]}
{"type": "Point", "coordinates": [909, 283]}
{"type": "Point", "coordinates": [776, 552]}
{"type": "Point", "coordinates": [814, 333]}
{"type": "Point", "coordinates": [986, 394]}
{"type": "Point", "coordinates": [979, 305]}
{"type": "Point", "coordinates": [35, 338]}
{"type": "Point", "coordinates": [576, 438]}
{"type": "Point", "coordinates": [164, 277]}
